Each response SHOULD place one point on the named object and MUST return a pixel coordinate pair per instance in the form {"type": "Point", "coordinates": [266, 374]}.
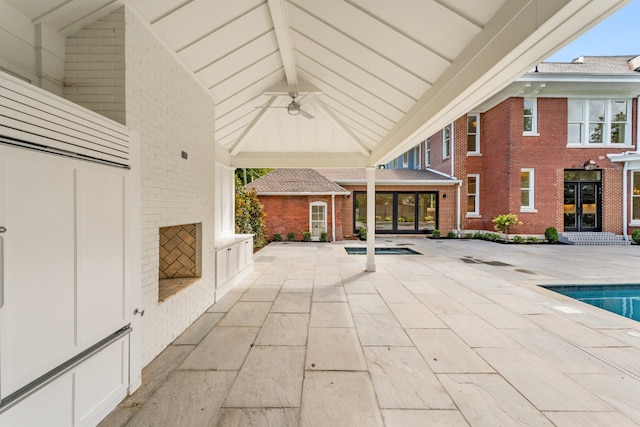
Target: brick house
{"type": "Point", "coordinates": [558, 147]}
{"type": "Point", "coordinates": [334, 201]}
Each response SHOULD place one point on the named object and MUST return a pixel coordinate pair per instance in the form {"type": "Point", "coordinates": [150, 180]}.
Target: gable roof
{"type": "Point", "coordinates": [295, 181]}
{"type": "Point", "coordinates": [622, 64]}
{"type": "Point", "coordinates": [388, 176]}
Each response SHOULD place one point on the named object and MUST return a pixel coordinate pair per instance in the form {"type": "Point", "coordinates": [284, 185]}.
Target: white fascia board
{"type": "Point", "coordinates": [398, 182]}
{"type": "Point", "coordinates": [303, 193]}
{"type": "Point", "coordinates": [580, 78]}
{"type": "Point", "coordinates": [630, 156]}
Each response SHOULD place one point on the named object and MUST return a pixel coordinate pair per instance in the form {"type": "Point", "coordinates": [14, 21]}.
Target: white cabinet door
{"type": "Point", "coordinates": [37, 320]}
{"type": "Point", "coordinates": [63, 266]}
{"type": "Point", "coordinates": [221, 267]}
{"type": "Point", "coordinates": [100, 254]}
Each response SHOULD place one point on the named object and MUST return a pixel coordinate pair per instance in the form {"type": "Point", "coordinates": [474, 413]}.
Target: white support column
{"type": "Point", "coordinates": [371, 219]}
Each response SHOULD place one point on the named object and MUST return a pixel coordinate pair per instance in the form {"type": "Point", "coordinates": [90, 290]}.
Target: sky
{"type": "Point", "coordinates": [619, 34]}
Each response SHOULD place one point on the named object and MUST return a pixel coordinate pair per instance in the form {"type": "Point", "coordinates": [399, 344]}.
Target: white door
{"type": "Point", "coordinates": [318, 219]}
{"type": "Point", "coordinates": [63, 265]}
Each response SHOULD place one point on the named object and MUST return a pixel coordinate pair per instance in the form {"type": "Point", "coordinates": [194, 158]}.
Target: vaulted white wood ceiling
{"type": "Point", "coordinates": [377, 76]}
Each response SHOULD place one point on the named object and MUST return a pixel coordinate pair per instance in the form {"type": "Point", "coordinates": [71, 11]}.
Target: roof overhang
{"type": "Point", "coordinates": [405, 182]}
{"type": "Point", "coordinates": [378, 77]}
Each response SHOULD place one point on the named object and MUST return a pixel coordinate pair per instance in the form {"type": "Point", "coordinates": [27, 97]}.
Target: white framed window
{"type": "Point", "coordinates": [527, 189]}
{"type": "Point", "coordinates": [405, 160]}
{"type": "Point", "coordinates": [417, 157]}
{"type": "Point", "coordinates": [473, 134]}
{"type": "Point", "coordinates": [427, 153]}
{"type": "Point", "coordinates": [530, 116]}
{"type": "Point", "coordinates": [473, 195]}
{"type": "Point", "coordinates": [635, 197]}
{"type": "Point", "coordinates": [598, 122]}
{"type": "Point", "coordinates": [394, 165]}
{"type": "Point", "coordinates": [446, 142]}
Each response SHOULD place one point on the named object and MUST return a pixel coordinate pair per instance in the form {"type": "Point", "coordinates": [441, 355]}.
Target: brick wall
{"type": "Point", "coordinates": [94, 68]}
{"type": "Point", "coordinates": [172, 113]}
{"type": "Point", "coordinates": [505, 151]}
{"type": "Point", "coordinates": [286, 214]}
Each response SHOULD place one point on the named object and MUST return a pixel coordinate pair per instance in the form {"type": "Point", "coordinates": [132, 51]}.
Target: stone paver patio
{"type": "Point", "coordinates": [461, 335]}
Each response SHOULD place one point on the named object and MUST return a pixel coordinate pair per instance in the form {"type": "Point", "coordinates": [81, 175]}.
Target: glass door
{"type": "Point", "coordinates": [318, 220]}
{"type": "Point", "coordinates": [582, 206]}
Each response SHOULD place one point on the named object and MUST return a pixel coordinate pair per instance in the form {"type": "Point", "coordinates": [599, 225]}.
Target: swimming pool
{"type": "Point", "coordinates": [382, 251]}
{"type": "Point", "coordinates": [620, 299]}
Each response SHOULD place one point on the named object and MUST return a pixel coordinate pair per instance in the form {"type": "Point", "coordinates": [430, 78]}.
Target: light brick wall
{"type": "Point", "coordinates": [94, 67]}
{"type": "Point", "coordinates": [172, 113]}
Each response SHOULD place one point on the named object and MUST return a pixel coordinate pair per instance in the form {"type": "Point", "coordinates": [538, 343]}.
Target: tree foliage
{"type": "Point", "coordinates": [249, 214]}
{"type": "Point", "coordinates": [247, 175]}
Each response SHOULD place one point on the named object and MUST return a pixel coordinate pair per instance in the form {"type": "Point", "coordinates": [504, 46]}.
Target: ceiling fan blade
{"type": "Point", "coordinates": [305, 114]}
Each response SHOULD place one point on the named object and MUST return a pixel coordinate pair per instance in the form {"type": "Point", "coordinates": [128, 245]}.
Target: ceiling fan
{"type": "Point", "coordinates": [294, 106]}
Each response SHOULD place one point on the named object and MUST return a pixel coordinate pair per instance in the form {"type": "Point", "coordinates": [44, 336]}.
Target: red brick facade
{"type": "Point", "coordinates": [285, 214]}
{"type": "Point", "coordinates": [505, 151]}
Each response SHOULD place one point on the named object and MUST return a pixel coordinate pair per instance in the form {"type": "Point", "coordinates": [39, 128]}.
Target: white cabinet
{"type": "Point", "coordinates": [234, 256]}
{"type": "Point", "coordinates": [63, 274]}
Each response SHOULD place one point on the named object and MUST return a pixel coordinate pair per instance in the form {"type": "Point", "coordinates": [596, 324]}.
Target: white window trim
{"type": "Point", "coordinates": [607, 124]}
{"type": "Point", "coordinates": [326, 214]}
{"type": "Point", "coordinates": [405, 160]}
{"type": "Point", "coordinates": [417, 160]}
{"type": "Point", "coordinates": [446, 142]}
{"type": "Point", "coordinates": [534, 121]}
{"type": "Point", "coordinates": [477, 150]}
{"type": "Point", "coordinates": [427, 154]}
{"type": "Point", "coordinates": [632, 222]}
{"type": "Point", "coordinates": [476, 212]}
{"type": "Point", "coordinates": [532, 181]}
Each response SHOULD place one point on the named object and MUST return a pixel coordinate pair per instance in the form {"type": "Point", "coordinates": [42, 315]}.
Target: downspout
{"type": "Point", "coordinates": [452, 140]}
{"type": "Point", "coordinates": [333, 217]}
{"type": "Point", "coordinates": [458, 191]}
{"type": "Point", "coordinates": [625, 208]}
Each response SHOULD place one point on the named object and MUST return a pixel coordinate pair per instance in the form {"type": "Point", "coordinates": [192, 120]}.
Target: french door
{"type": "Point", "coordinates": [582, 206]}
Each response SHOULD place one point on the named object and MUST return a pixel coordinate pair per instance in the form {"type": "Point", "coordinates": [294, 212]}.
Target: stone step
{"type": "Point", "coordinates": [594, 238]}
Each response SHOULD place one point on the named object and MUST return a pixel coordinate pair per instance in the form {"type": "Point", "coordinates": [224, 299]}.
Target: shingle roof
{"type": "Point", "coordinates": [349, 175]}
{"type": "Point", "coordinates": [623, 64]}
{"type": "Point", "coordinates": [295, 181]}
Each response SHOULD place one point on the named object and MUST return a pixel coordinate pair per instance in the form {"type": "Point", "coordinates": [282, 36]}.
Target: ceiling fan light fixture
{"type": "Point", "coordinates": [293, 108]}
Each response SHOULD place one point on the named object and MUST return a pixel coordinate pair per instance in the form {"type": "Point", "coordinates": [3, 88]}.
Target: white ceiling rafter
{"type": "Point", "coordinates": [263, 116]}
{"type": "Point", "coordinates": [278, 9]}
{"type": "Point", "coordinates": [384, 76]}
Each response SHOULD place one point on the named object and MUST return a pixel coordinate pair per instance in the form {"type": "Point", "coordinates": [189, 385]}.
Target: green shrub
{"type": "Point", "coordinates": [518, 239]}
{"type": "Point", "coordinates": [323, 236]}
{"type": "Point", "coordinates": [362, 233]}
{"type": "Point", "coordinates": [635, 236]}
{"type": "Point", "coordinates": [388, 218]}
{"type": "Point", "coordinates": [249, 214]}
{"type": "Point", "coordinates": [435, 234]}
{"type": "Point", "coordinates": [504, 221]}
{"type": "Point", "coordinates": [291, 236]}
{"type": "Point", "coordinates": [532, 239]}
{"type": "Point", "coordinates": [551, 234]}
{"type": "Point", "coordinates": [277, 237]}
{"type": "Point", "coordinates": [401, 219]}
{"type": "Point", "coordinates": [452, 234]}
{"type": "Point", "coordinates": [307, 236]}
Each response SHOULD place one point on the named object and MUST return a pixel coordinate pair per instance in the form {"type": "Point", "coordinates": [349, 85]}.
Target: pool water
{"type": "Point", "coordinates": [620, 299]}
{"type": "Point", "coordinates": [382, 251]}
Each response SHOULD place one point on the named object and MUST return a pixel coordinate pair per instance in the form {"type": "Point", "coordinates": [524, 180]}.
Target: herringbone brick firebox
{"type": "Point", "coordinates": [178, 251]}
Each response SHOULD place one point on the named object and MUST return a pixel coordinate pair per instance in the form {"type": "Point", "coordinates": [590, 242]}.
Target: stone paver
{"type": "Point", "coordinates": [461, 335]}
